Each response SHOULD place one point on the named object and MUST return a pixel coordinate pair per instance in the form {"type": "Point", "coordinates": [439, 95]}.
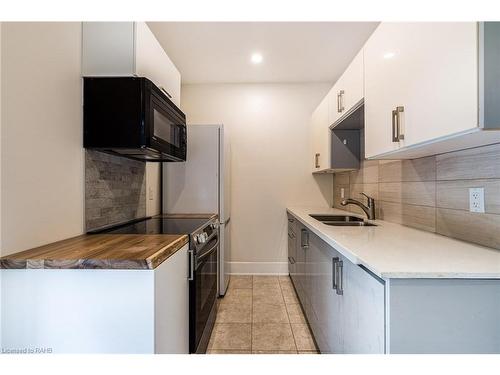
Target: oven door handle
{"type": "Point", "coordinates": [209, 252]}
{"type": "Point", "coordinates": [214, 233]}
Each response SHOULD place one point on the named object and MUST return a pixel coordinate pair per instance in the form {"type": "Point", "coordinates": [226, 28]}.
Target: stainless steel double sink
{"type": "Point", "coordinates": [343, 221]}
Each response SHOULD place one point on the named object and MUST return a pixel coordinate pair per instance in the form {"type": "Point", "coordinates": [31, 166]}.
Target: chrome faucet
{"type": "Point", "coordinates": [369, 209]}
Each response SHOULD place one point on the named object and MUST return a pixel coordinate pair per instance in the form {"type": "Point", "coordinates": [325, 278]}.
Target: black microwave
{"type": "Point", "coordinates": [132, 117]}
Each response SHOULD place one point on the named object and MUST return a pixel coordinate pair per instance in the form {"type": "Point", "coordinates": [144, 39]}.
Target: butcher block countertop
{"type": "Point", "coordinates": [99, 251]}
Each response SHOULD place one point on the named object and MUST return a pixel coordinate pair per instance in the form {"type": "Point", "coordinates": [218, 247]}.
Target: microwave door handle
{"type": "Point", "coordinates": [166, 92]}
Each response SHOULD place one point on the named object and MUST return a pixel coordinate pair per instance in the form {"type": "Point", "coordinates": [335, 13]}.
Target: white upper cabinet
{"type": "Point", "coordinates": [153, 62]}
{"type": "Point", "coordinates": [421, 84]}
{"type": "Point", "coordinates": [128, 49]}
{"type": "Point", "coordinates": [320, 137]}
{"type": "Point", "coordinates": [348, 90]}
{"type": "Point", "coordinates": [334, 106]}
{"type": "Point", "coordinates": [344, 95]}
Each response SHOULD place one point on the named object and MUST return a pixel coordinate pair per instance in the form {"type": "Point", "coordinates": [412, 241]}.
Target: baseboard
{"type": "Point", "coordinates": [258, 268]}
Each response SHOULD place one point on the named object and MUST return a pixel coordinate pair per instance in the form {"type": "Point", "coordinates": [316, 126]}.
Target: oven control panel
{"type": "Point", "coordinates": [205, 233]}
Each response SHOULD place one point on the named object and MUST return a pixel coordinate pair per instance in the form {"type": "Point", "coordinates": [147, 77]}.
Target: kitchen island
{"type": "Point", "coordinates": [97, 294]}
{"type": "Point", "coordinates": [388, 288]}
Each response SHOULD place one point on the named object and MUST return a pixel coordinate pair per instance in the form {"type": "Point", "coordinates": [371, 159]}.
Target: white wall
{"type": "Point", "coordinates": [271, 157]}
{"type": "Point", "coordinates": [42, 164]}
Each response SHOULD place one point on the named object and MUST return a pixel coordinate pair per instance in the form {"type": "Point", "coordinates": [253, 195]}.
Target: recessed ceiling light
{"type": "Point", "coordinates": [256, 58]}
{"type": "Point", "coordinates": [389, 55]}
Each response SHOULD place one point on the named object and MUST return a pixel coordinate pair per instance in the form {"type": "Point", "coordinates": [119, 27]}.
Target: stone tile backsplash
{"type": "Point", "coordinates": [115, 189]}
{"type": "Point", "coordinates": [431, 193]}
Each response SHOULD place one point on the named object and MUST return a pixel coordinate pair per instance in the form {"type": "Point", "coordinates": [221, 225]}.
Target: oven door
{"type": "Point", "coordinates": [203, 297]}
{"type": "Point", "coordinates": [167, 130]}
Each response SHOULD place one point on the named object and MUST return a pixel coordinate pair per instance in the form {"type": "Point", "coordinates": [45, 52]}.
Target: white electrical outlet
{"type": "Point", "coordinates": [476, 199]}
{"type": "Point", "coordinates": [342, 193]}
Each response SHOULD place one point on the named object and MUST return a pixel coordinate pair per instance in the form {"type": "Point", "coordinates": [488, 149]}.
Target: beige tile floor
{"type": "Point", "coordinates": [260, 315]}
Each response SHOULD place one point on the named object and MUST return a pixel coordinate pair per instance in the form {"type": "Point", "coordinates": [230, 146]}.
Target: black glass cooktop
{"type": "Point", "coordinates": [159, 225]}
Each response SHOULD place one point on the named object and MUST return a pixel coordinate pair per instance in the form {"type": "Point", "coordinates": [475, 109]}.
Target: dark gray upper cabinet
{"type": "Point", "coordinates": [347, 140]}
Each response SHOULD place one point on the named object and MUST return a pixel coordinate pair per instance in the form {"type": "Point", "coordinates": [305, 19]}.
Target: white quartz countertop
{"type": "Point", "coordinates": [394, 251]}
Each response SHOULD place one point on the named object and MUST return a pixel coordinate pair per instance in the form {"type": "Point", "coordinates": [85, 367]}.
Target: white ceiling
{"type": "Point", "coordinates": [209, 52]}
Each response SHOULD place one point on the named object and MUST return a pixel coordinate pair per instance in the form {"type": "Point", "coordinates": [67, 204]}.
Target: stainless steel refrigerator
{"type": "Point", "coordinates": [203, 185]}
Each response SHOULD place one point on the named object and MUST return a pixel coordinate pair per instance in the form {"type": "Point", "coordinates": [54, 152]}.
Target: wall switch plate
{"type": "Point", "coordinates": [476, 200]}
{"type": "Point", "coordinates": [342, 193]}
{"type": "Point", "coordinates": [151, 193]}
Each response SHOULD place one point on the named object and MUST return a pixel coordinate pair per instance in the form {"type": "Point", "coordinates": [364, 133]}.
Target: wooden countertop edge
{"type": "Point", "coordinates": [157, 258]}
{"type": "Point", "coordinates": [149, 263]}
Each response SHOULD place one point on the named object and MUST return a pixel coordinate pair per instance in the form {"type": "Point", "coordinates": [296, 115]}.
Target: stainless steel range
{"type": "Point", "coordinates": [203, 231]}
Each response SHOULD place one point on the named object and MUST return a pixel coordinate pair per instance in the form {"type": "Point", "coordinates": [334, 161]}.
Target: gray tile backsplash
{"type": "Point", "coordinates": [115, 189]}
{"type": "Point", "coordinates": [481, 162]}
{"type": "Point", "coordinates": [431, 193]}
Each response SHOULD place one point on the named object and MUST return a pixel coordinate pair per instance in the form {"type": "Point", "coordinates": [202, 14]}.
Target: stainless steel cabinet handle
{"type": "Point", "coordinates": [399, 110]}
{"type": "Point", "coordinates": [340, 273]}
{"type": "Point", "coordinates": [334, 272]}
{"type": "Point", "coordinates": [304, 239]}
{"type": "Point", "coordinates": [394, 130]}
{"type": "Point", "coordinates": [340, 101]}
{"type": "Point", "coordinates": [316, 160]}
{"type": "Point", "coordinates": [191, 265]}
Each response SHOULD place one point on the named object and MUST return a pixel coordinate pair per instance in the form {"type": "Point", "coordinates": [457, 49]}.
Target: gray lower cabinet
{"type": "Point", "coordinates": [363, 306]}
{"type": "Point", "coordinates": [351, 310]}
{"type": "Point", "coordinates": [344, 303]}
{"type": "Point", "coordinates": [326, 304]}
{"type": "Point", "coordinates": [299, 270]}
{"type": "Point", "coordinates": [292, 246]}
{"type": "Point", "coordinates": [444, 316]}
{"type": "Point", "coordinates": [304, 272]}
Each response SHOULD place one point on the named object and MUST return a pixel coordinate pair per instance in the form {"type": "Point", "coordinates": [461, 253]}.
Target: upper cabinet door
{"type": "Point", "coordinates": [384, 73]}
{"type": "Point", "coordinates": [320, 137]}
{"type": "Point", "coordinates": [334, 104]}
{"type": "Point", "coordinates": [348, 90]}
{"type": "Point", "coordinates": [127, 49]}
{"type": "Point", "coordinates": [351, 84]}
{"type": "Point", "coordinates": [107, 49]}
{"type": "Point", "coordinates": [443, 99]}
{"type": "Point", "coordinates": [421, 83]}
{"type": "Point", "coordinates": [152, 62]}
